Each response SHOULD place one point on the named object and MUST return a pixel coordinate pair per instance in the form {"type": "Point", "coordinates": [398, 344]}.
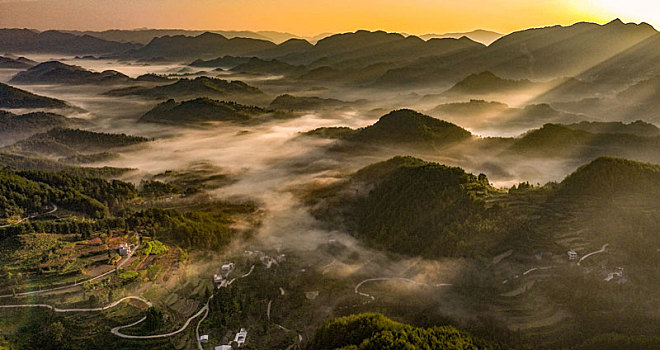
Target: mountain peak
{"type": "Point", "coordinates": [615, 22]}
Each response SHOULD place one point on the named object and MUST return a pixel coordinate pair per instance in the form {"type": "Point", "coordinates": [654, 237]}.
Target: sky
{"type": "Point", "coordinates": [311, 17]}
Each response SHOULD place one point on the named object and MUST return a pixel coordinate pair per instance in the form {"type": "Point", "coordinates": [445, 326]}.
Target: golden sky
{"type": "Point", "coordinates": [310, 17]}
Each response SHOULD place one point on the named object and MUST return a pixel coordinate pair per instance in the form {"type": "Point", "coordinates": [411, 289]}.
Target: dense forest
{"type": "Point", "coordinates": [27, 192]}
{"type": "Point", "coordinates": [413, 207]}
{"type": "Point", "coordinates": [199, 229]}
{"type": "Point", "coordinates": [376, 332]}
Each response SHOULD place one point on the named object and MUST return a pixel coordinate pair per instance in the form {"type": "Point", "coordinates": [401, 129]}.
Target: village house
{"type": "Point", "coordinates": [124, 249]}
{"type": "Point", "coordinates": [240, 337]}
{"type": "Point", "coordinates": [228, 267]}
{"type": "Point", "coordinates": [572, 255]}
{"type": "Point", "coordinates": [204, 339]}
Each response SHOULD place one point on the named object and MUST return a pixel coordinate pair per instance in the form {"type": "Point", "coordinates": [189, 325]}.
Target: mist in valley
{"type": "Point", "coordinates": [309, 180]}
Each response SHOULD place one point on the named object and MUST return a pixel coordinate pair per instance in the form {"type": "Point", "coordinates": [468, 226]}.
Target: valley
{"type": "Point", "coordinates": [366, 190]}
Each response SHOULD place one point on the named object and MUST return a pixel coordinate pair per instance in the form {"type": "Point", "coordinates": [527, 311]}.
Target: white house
{"type": "Point", "coordinates": [572, 254]}
{"type": "Point", "coordinates": [223, 347]}
{"type": "Point", "coordinates": [227, 267]}
{"type": "Point", "coordinates": [240, 337]}
{"type": "Point", "coordinates": [204, 339]}
{"type": "Point", "coordinates": [124, 249]}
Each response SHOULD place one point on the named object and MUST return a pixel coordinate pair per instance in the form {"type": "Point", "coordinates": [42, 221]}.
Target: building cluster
{"type": "Point", "coordinates": [239, 339]}
{"type": "Point", "coordinates": [220, 280]}
{"type": "Point", "coordinates": [268, 261]}
{"type": "Point", "coordinates": [617, 276]}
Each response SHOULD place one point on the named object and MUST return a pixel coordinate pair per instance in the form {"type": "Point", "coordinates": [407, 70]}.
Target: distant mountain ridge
{"type": "Point", "coordinates": [191, 88]}
{"type": "Point", "coordinates": [17, 63]}
{"type": "Point", "coordinates": [485, 37]}
{"type": "Point", "coordinates": [52, 41]}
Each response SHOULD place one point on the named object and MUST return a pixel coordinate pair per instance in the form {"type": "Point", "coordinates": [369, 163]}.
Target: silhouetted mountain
{"type": "Point", "coordinates": [409, 128]}
{"type": "Point", "coordinates": [54, 72]}
{"type": "Point", "coordinates": [289, 48]}
{"type": "Point", "coordinates": [144, 36]}
{"type": "Point", "coordinates": [206, 45]}
{"type": "Point", "coordinates": [220, 62]}
{"type": "Point", "coordinates": [362, 49]}
{"type": "Point", "coordinates": [25, 40]}
{"type": "Point", "coordinates": [638, 128]}
{"type": "Point", "coordinates": [539, 53]}
{"type": "Point", "coordinates": [563, 51]}
{"type": "Point", "coordinates": [200, 110]}
{"type": "Point", "coordinates": [487, 83]}
{"type": "Point", "coordinates": [190, 88]}
{"type": "Point", "coordinates": [19, 63]}
{"type": "Point", "coordinates": [257, 65]}
{"type": "Point", "coordinates": [153, 78]}
{"type": "Point", "coordinates": [11, 97]}
{"type": "Point", "coordinates": [554, 140]}
{"type": "Point", "coordinates": [482, 115]}
{"type": "Point", "coordinates": [477, 109]}
{"type": "Point", "coordinates": [289, 102]}
{"type": "Point", "coordinates": [633, 64]}
{"type": "Point", "coordinates": [17, 127]}
{"type": "Point", "coordinates": [485, 37]}
{"type": "Point", "coordinates": [341, 43]}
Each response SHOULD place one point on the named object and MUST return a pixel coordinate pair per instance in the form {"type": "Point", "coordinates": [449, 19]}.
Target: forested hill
{"type": "Point", "coordinates": [412, 207]}
{"type": "Point", "coordinates": [606, 177]}
{"type": "Point", "coordinates": [410, 128]}
{"type": "Point", "coordinates": [11, 97]}
{"type": "Point", "coordinates": [200, 110]}
{"type": "Point", "coordinates": [80, 140]}
{"type": "Point", "coordinates": [377, 332]}
{"type": "Point", "coordinates": [54, 72]}
{"type": "Point", "coordinates": [26, 192]}
{"type": "Point", "coordinates": [16, 127]}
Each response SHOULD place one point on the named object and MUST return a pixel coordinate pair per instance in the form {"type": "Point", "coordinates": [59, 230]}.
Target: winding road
{"type": "Point", "coordinates": [117, 330]}
{"type": "Point", "coordinates": [95, 309]}
{"type": "Point", "coordinates": [31, 216]}
{"type": "Point", "coordinates": [592, 253]}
